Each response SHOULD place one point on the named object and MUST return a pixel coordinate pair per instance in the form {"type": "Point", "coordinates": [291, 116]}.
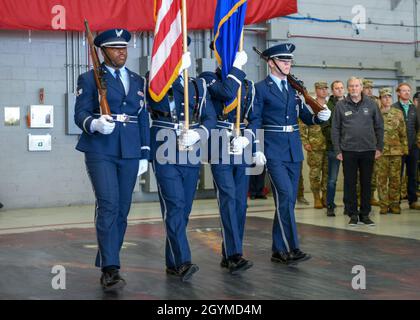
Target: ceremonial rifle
{"type": "Point", "coordinates": [98, 72]}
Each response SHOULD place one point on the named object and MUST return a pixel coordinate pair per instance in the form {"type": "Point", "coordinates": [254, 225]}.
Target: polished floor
{"type": "Point", "coordinates": [33, 241]}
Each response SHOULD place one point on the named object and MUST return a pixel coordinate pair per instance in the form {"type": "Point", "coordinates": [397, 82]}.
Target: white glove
{"type": "Point", "coordinates": [186, 62]}
{"type": "Point", "coordinates": [104, 124]}
{"type": "Point", "coordinates": [259, 159]}
{"type": "Point", "coordinates": [189, 138]}
{"type": "Point", "coordinates": [241, 59]}
{"type": "Point", "coordinates": [325, 114]}
{"type": "Point", "coordinates": [143, 166]}
{"type": "Point", "coordinates": [240, 143]}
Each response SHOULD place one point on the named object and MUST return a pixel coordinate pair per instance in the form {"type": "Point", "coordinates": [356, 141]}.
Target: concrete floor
{"type": "Point", "coordinates": [406, 225]}
{"type": "Point", "coordinates": [32, 241]}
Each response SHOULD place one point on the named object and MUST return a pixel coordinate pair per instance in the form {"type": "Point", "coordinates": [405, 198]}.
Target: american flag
{"type": "Point", "coordinates": [167, 47]}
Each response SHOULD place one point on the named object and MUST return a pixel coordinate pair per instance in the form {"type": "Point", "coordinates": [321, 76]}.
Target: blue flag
{"type": "Point", "coordinates": [229, 20]}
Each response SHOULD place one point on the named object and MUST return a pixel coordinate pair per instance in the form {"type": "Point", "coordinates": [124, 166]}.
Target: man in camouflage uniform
{"type": "Point", "coordinates": [395, 146]}
{"type": "Point", "coordinates": [368, 91]}
{"type": "Point", "coordinates": [314, 143]}
{"type": "Point", "coordinates": [301, 191]}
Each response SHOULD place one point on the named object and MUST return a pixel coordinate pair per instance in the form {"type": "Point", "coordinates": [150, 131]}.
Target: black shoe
{"type": "Point", "coordinates": [236, 264]}
{"type": "Point", "coordinates": [299, 256]}
{"type": "Point", "coordinates": [252, 197]}
{"type": "Point", "coordinates": [185, 271]}
{"type": "Point", "coordinates": [354, 220]}
{"type": "Point", "coordinates": [1, 205]}
{"type": "Point", "coordinates": [365, 220]}
{"type": "Point", "coordinates": [111, 280]}
{"type": "Point", "coordinates": [283, 258]}
{"type": "Point", "coordinates": [330, 212]}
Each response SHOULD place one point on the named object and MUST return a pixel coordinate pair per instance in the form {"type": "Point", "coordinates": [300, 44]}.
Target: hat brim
{"type": "Point", "coordinates": [115, 44]}
{"type": "Point", "coordinates": [282, 56]}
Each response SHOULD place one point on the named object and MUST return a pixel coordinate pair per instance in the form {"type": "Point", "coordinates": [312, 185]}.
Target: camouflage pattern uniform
{"type": "Point", "coordinates": [389, 164]}
{"type": "Point", "coordinates": [301, 191]}
{"type": "Point", "coordinates": [317, 159]}
{"type": "Point", "coordinates": [369, 84]}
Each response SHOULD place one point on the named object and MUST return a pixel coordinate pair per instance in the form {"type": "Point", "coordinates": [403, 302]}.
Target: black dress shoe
{"type": "Point", "coordinates": [299, 256]}
{"type": "Point", "coordinates": [283, 258]}
{"type": "Point", "coordinates": [185, 271]}
{"type": "Point", "coordinates": [236, 264]}
{"type": "Point", "coordinates": [111, 280]}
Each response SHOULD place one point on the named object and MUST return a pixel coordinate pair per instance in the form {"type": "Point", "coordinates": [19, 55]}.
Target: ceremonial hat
{"type": "Point", "coordinates": [115, 38]}
{"type": "Point", "coordinates": [281, 51]}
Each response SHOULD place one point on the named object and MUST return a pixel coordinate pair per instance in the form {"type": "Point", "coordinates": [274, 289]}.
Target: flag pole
{"type": "Point", "coordinates": [238, 108]}
{"type": "Point", "coordinates": [185, 49]}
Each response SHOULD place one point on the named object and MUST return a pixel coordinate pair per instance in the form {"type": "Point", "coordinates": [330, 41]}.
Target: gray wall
{"type": "Point", "coordinates": [58, 178]}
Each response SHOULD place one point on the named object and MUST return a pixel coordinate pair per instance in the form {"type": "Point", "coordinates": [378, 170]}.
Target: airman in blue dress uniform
{"type": "Point", "coordinates": [116, 147]}
{"type": "Point", "coordinates": [277, 108]}
{"type": "Point", "coordinates": [176, 170]}
{"type": "Point", "coordinates": [230, 178]}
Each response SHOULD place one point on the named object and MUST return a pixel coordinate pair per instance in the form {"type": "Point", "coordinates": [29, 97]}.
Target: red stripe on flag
{"type": "Point", "coordinates": [162, 78]}
{"type": "Point", "coordinates": [166, 61]}
{"type": "Point", "coordinates": [165, 24]}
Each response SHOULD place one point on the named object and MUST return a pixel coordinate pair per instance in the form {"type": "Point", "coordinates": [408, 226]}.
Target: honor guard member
{"type": "Point", "coordinates": [277, 108]}
{"type": "Point", "coordinates": [177, 171]}
{"type": "Point", "coordinates": [113, 145]}
{"type": "Point", "coordinates": [230, 179]}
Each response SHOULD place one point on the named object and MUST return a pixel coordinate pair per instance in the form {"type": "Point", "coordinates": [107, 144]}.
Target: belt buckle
{"type": "Point", "coordinates": [289, 129]}
{"type": "Point", "coordinates": [123, 118]}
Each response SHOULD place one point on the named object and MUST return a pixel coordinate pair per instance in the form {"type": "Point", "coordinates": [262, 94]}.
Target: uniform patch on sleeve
{"type": "Point", "coordinates": [79, 92]}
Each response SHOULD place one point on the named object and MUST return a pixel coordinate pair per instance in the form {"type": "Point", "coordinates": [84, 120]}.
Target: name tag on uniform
{"type": "Point", "coordinates": [365, 111]}
{"type": "Point", "coordinates": [348, 113]}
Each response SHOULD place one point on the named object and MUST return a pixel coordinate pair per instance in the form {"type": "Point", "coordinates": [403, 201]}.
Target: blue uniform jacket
{"type": "Point", "coordinates": [271, 109]}
{"type": "Point", "coordinates": [205, 120]}
{"type": "Point", "coordinates": [128, 140]}
{"type": "Point", "coordinates": [222, 92]}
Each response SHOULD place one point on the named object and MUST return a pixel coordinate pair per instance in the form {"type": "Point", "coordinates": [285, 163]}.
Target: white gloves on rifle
{"type": "Point", "coordinates": [241, 59]}
{"type": "Point", "coordinates": [143, 166]}
{"type": "Point", "coordinates": [186, 62]}
{"type": "Point", "coordinates": [325, 114]}
{"type": "Point", "coordinates": [240, 143]}
{"type": "Point", "coordinates": [189, 138]}
{"type": "Point", "coordinates": [259, 158]}
{"type": "Point", "coordinates": [104, 124]}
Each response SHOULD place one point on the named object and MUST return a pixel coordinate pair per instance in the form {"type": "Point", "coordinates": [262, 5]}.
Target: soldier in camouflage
{"type": "Point", "coordinates": [313, 141]}
{"type": "Point", "coordinates": [395, 146]}
{"type": "Point", "coordinates": [368, 91]}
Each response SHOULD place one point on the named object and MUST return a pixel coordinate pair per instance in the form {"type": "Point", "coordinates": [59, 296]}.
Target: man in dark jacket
{"type": "Point", "coordinates": [412, 121]}
{"type": "Point", "coordinates": [357, 135]}
{"type": "Point", "coordinates": [337, 89]}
